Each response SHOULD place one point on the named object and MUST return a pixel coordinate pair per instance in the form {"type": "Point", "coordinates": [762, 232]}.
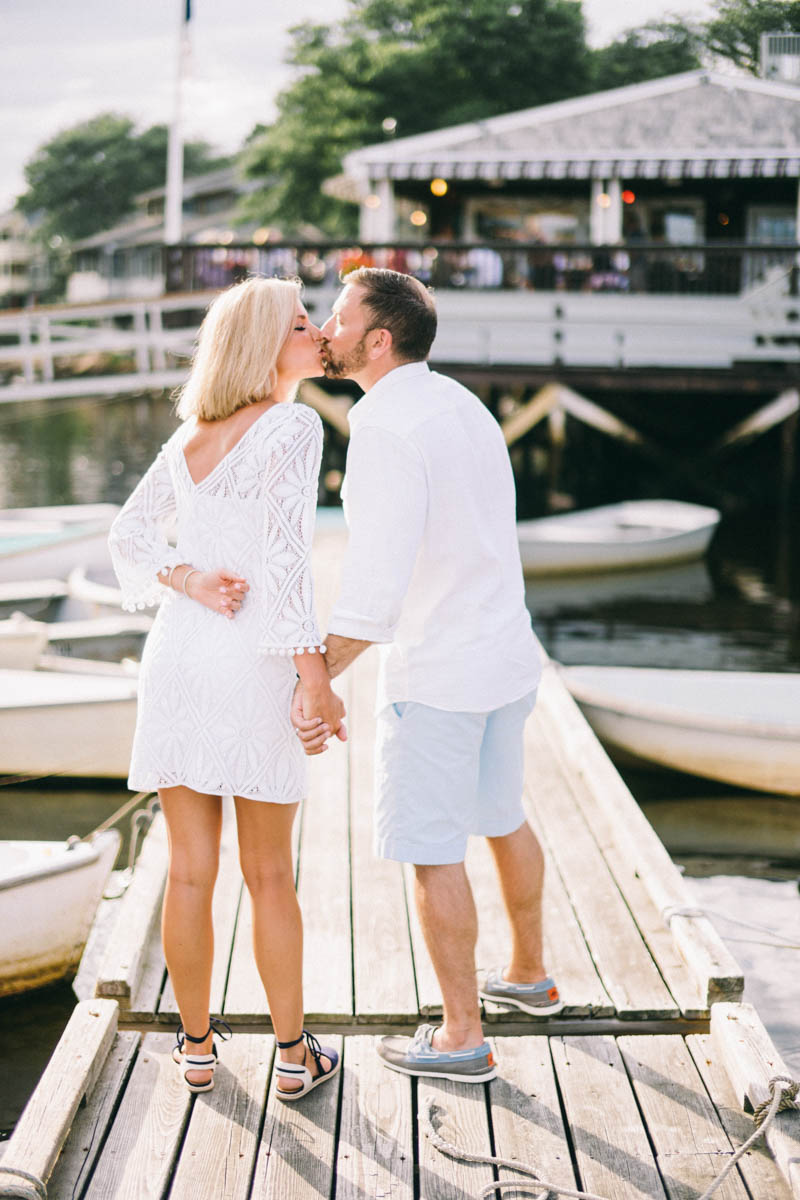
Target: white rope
{"type": "Point", "coordinates": [783, 1092]}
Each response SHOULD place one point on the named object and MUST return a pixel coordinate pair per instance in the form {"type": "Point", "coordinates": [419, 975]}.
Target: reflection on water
{"type": "Point", "coordinates": [79, 452]}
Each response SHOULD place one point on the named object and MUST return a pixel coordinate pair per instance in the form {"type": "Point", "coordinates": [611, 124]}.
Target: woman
{"type": "Point", "coordinates": [238, 480]}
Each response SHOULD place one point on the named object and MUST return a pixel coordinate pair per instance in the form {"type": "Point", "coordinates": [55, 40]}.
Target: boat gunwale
{"type": "Point", "coordinates": [63, 866]}
{"type": "Point", "coordinates": [692, 719]}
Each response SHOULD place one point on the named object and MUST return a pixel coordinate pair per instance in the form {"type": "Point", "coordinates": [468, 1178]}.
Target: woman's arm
{"type": "Point", "coordinates": [289, 617]}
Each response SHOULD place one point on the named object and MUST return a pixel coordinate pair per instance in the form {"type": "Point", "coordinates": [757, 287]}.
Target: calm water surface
{"type": "Point", "coordinates": [738, 611]}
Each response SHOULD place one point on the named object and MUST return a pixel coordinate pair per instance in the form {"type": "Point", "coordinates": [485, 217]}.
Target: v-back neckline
{"type": "Point", "coordinates": [199, 482]}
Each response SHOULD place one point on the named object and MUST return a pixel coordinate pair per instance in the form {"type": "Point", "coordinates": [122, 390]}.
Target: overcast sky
{"type": "Point", "coordinates": [62, 61]}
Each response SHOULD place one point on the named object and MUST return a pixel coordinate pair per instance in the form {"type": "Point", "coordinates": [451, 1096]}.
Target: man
{"type": "Point", "coordinates": [432, 573]}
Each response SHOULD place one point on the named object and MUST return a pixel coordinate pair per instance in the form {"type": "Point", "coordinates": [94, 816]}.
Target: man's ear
{"type": "Point", "coordinates": [380, 343]}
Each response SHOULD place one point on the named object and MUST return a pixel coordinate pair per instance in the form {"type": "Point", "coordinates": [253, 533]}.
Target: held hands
{"type": "Point", "coordinates": [220, 591]}
{"type": "Point", "coordinates": [316, 716]}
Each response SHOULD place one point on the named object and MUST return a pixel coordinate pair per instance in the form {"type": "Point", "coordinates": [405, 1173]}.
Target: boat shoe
{"type": "Point", "coordinates": [417, 1056]}
{"type": "Point", "coordinates": [541, 999]}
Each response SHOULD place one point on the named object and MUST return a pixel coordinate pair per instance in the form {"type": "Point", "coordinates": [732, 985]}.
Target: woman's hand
{"type": "Point", "coordinates": [316, 715]}
{"type": "Point", "coordinates": [220, 591]}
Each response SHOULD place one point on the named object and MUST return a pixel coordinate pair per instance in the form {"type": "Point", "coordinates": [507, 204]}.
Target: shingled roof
{"type": "Point", "coordinates": [695, 124]}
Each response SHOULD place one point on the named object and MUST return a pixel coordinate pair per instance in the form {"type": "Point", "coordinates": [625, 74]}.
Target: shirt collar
{"type": "Point", "coordinates": [372, 399]}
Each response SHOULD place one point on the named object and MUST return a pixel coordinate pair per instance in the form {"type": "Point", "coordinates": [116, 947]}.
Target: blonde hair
{"type": "Point", "coordinates": [237, 348]}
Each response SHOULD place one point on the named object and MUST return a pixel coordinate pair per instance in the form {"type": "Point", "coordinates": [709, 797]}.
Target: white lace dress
{"type": "Point", "coordinates": [214, 693]}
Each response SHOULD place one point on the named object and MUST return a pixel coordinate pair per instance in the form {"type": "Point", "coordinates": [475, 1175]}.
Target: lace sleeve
{"type": "Point", "coordinates": [138, 541]}
{"type": "Point", "coordinates": [289, 623]}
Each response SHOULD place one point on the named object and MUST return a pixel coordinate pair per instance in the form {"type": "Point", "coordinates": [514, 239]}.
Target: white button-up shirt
{"type": "Point", "coordinates": [432, 566]}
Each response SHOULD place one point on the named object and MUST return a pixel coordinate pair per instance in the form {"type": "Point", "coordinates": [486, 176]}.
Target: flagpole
{"type": "Point", "coordinates": [173, 208]}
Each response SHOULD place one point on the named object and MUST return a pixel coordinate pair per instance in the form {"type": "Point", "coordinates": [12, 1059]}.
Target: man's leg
{"type": "Point", "coordinates": [450, 926]}
{"type": "Point", "coordinates": [519, 862]}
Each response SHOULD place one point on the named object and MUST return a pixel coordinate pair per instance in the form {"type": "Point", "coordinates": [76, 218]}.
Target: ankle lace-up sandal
{"type": "Point", "coordinates": [200, 1062]}
{"type": "Point", "coordinates": [307, 1081]}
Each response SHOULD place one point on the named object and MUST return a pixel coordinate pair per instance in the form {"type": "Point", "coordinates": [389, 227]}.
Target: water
{"type": "Point", "coordinates": [741, 610]}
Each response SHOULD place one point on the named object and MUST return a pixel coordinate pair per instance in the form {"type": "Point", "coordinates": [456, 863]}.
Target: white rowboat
{"type": "Point", "coordinates": [739, 727]}
{"type": "Point", "coordinates": [636, 533]}
{"type": "Point", "coordinates": [49, 892]}
{"type": "Point", "coordinates": [47, 541]}
{"type": "Point", "coordinates": [66, 724]}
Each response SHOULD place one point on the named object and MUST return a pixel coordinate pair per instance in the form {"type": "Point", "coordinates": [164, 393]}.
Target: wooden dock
{"type": "Point", "coordinates": [635, 1090]}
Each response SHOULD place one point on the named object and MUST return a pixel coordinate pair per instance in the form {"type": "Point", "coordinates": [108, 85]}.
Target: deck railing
{"type": "Point", "coordinates": [711, 269]}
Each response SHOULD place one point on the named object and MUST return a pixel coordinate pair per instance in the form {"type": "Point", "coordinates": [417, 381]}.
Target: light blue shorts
{"type": "Point", "coordinates": [441, 776]}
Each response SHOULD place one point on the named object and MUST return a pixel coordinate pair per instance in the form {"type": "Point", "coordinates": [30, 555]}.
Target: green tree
{"type": "Point", "coordinates": [735, 32]}
{"type": "Point", "coordinates": [85, 178]}
{"type": "Point", "coordinates": [650, 52]}
{"type": "Point", "coordinates": [423, 64]}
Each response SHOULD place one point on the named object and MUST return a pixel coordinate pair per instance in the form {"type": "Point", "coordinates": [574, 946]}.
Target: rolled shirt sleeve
{"type": "Point", "coordinates": [385, 500]}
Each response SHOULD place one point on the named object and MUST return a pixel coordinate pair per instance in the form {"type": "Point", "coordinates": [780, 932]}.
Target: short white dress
{"type": "Point", "coordinates": [215, 693]}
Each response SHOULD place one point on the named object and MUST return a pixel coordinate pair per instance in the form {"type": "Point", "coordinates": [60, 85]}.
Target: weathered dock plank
{"type": "Point", "coordinates": [88, 1131]}
{"type": "Point", "coordinates": [222, 1141]}
{"type": "Point", "coordinates": [623, 961]}
{"type": "Point", "coordinates": [374, 1156]}
{"type": "Point", "coordinates": [120, 969]}
{"type": "Point", "coordinates": [69, 1076]}
{"type": "Point", "coordinates": [611, 1144]}
{"type": "Point", "coordinates": [750, 1059]}
{"type": "Point", "coordinates": [758, 1169]}
{"type": "Point", "coordinates": [718, 975]}
{"type": "Point", "coordinates": [689, 1140]}
{"type": "Point", "coordinates": [139, 1156]}
{"type": "Point", "coordinates": [458, 1114]}
{"type": "Point", "coordinates": [297, 1151]}
{"type": "Point", "coordinates": [526, 1112]}
{"type": "Point", "coordinates": [634, 1116]}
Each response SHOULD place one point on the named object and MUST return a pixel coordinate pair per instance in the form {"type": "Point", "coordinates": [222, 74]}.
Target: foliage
{"type": "Point", "coordinates": [650, 52]}
{"type": "Point", "coordinates": [735, 32]}
{"type": "Point", "coordinates": [85, 178]}
{"type": "Point", "coordinates": [424, 64]}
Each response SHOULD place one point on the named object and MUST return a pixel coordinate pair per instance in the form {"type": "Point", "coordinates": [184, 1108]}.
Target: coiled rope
{"type": "Point", "coordinates": [782, 1094]}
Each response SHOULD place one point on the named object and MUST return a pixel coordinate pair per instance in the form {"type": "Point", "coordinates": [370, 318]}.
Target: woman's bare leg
{"type": "Point", "coordinates": [194, 823]}
{"type": "Point", "coordinates": [265, 852]}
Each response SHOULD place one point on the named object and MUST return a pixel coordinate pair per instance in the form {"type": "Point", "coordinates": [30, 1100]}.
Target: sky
{"type": "Point", "coordinates": [63, 61]}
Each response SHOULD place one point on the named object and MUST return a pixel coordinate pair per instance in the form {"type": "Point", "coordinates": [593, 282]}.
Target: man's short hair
{"type": "Point", "coordinates": [401, 304]}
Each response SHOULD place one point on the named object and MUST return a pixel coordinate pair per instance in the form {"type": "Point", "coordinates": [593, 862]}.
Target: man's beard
{"type": "Point", "coordinates": [346, 365]}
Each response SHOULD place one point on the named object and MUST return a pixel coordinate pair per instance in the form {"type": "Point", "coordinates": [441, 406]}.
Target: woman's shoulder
{"type": "Point", "coordinates": [293, 419]}
{"type": "Point", "coordinates": [178, 436]}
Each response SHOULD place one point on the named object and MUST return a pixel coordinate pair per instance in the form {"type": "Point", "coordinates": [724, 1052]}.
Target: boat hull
{"type": "Point", "coordinates": [616, 537]}
{"type": "Point", "coordinates": [37, 543]}
{"type": "Point", "coordinates": [746, 749]}
{"type": "Point", "coordinates": [46, 911]}
{"type": "Point", "coordinates": [66, 724]}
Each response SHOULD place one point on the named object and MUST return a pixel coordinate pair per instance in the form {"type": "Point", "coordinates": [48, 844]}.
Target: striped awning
{"type": "Point", "coordinates": [693, 166]}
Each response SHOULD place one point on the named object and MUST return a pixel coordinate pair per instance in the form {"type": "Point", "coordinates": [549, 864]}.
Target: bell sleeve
{"type": "Point", "coordinates": [289, 623]}
{"type": "Point", "coordinates": [138, 541]}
